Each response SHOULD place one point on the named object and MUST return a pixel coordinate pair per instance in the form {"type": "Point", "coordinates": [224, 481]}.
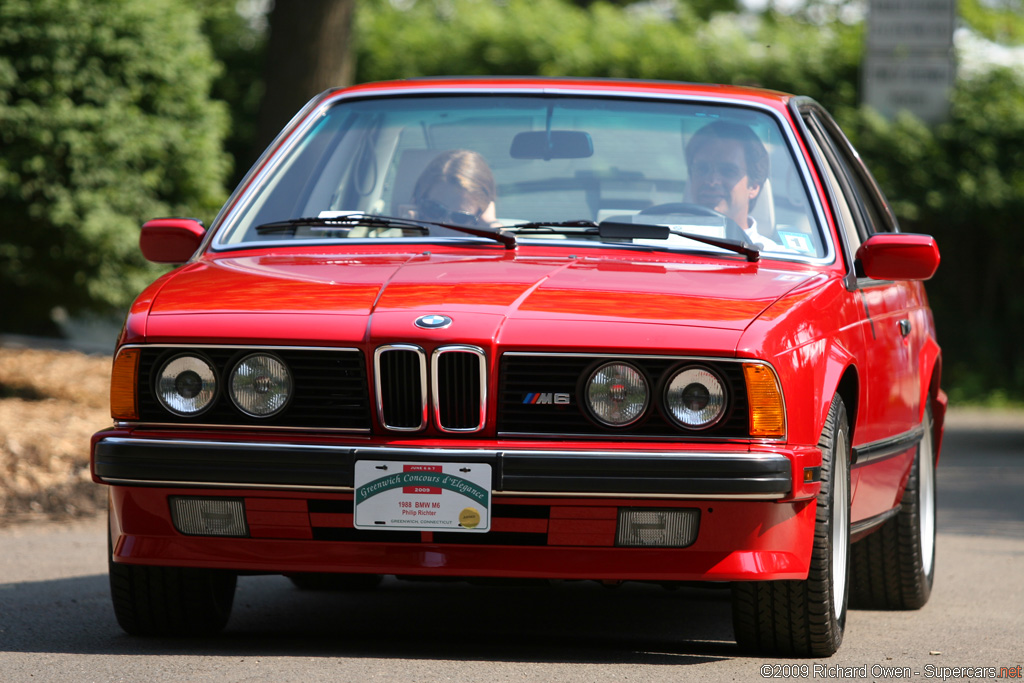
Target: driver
{"type": "Point", "coordinates": [728, 166]}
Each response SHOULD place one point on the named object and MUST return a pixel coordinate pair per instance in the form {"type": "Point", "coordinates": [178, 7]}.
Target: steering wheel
{"type": "Point", "coordinates": [732, 229]}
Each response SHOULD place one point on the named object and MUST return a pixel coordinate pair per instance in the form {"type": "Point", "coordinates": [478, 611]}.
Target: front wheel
{"type": "Point", "coordinates": [170, 601]}
{"type": "Point", "coordinates": [807, 618]}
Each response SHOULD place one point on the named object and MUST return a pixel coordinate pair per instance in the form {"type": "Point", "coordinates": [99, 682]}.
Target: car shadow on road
{"type": "Point", "coordinates": [576, 622]}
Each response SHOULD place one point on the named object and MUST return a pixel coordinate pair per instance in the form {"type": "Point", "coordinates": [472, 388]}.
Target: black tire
{"type": "Point", "coordinates": [894, 568]}
{"type": "Point", "coordinates": [334, 582]}
{"type": "Point", "coordinates": [170, 601]}
{"type": "Point", "coordinates": [807, 618]}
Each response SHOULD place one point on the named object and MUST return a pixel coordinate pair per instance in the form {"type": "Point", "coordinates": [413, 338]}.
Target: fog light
{"type": "Point", "coordinates": [209, 516]}
{"type": "Point", "coordinates": [644, 527]}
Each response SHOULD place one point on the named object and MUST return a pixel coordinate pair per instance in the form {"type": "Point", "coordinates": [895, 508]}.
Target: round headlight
{"type": "Point", "coordinates": [260, 385]}
{"type": "Point", "coordinates": [695, 398]}
{"type": "Point", "coordinates": [617, 394]}
{"type": "Point", "coordinates": [186, 385]}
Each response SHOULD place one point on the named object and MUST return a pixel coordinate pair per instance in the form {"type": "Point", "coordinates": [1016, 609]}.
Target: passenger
{"type": "Point", "coordinates": [728, 166]}
{"type": "Point", "coordinates": [456, 187]}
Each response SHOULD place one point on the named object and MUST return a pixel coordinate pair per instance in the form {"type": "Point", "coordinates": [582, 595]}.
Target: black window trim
{"type": "Point", "coordinates": [820, 132]}
{"type": "Point", "coordinates": [841, 170]}
{"type": "Point", "coordinates": [799, 107]}
{"type": "Point", "coordinates": [855, 163]}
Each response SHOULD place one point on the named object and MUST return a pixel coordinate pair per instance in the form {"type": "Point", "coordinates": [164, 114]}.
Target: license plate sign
{"type": "Point", "coordinates": [423, 496]}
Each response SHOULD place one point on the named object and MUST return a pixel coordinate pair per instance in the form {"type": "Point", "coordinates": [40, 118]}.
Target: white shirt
{"type": "Point", "coordinates": [759, 240]}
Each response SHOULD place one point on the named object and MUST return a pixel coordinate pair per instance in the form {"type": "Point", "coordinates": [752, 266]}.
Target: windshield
{"type": "Point", "coordinates": [520, 164]}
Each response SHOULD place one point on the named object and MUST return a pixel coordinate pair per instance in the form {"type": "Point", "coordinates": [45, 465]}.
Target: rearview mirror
{"type": "Point", "coordinates": [553, 144]}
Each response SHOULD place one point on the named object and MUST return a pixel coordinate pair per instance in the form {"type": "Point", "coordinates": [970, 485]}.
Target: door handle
{"type": "Point", "coordinates": [905, 327]}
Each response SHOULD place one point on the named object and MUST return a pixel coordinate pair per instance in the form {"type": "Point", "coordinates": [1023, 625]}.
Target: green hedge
{"type": "Point", "coordinates": [558, 38]}
{"type": "Point", "coordinates": [105, 120]}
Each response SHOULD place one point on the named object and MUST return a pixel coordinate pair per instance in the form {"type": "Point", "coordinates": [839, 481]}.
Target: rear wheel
{"type": "Point", "coordinates": [170, 601]}
{"type": "Point", "coordinates": [894, 567]}
{"type": "Point", "coordinates": [806, 618]}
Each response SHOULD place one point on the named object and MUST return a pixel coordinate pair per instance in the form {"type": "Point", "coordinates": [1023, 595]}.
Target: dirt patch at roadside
{"type": "Point", "coordinates": [51, 403]}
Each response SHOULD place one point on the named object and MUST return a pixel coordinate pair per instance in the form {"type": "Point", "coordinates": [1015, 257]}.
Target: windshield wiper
{"type": "Point", "coordinates": [349, 221]}
{"type": "Point", "coordinates": [614, 230]}
{"type": "Point", "coordinates": [344, 222]}
{"type": "Point", "coordinates": [496, 234]}
{"type": "Point", "coordinates": [553, 226]}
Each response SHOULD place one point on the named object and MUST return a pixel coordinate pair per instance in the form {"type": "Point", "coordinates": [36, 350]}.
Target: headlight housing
{"type": "Point", "coordinates": [617, 394]}
{"type": "Point", "coordinates": [260, 385]}
{"type": "Point", "coordinates": [186, 385]}
{"type": "Point", "coordinates": [696, 397]}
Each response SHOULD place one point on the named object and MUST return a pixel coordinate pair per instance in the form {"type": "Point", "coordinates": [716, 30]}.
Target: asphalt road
{"type": "Point", "coordinates": [56, 623]}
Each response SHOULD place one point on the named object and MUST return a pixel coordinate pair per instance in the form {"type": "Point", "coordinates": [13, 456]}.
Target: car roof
{"type": "Point", "coordinates": [591, 86]}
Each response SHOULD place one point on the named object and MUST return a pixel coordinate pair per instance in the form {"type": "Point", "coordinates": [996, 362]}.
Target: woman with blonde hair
{"type": "Point", "coordinates": [456, 187]}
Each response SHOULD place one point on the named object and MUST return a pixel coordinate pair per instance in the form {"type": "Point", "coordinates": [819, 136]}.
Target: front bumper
{"type": "Point", "coordinates": [555, 510]}
{"type": "Point", "coordinates": [135, 461]}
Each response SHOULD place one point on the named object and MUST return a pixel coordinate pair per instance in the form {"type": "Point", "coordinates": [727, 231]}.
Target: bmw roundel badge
{"type": "Point", "coordinates": [433, 322]}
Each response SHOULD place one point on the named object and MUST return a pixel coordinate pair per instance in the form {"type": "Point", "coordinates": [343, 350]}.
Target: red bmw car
{"type": "Point", "coordinates": [535, 329]}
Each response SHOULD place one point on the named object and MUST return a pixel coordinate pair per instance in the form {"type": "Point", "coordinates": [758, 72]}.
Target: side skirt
{"type": "Point", "coordinates": [886, 448]}
{"type": "Point", "coordinates": [864, 527]}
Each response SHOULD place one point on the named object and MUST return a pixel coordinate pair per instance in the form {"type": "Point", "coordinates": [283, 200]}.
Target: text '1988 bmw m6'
{"type": "Point", "coordinates": [535, 329]}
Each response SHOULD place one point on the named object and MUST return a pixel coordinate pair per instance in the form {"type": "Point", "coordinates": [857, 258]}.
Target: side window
{"type": "Point", "coordinates": [851, 225]}
{"type": "Point", "coordinates": [877, 215]}
{"type": "Point", "coordinates": [875, 220]}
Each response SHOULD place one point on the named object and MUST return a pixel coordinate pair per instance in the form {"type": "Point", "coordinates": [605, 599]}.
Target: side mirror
{"type": "Point", "coordinates": [171, 240]}
{"type": "Point", "coordinates": [899, 256]}
{"type": "Point", "coordinates": [552, 144]}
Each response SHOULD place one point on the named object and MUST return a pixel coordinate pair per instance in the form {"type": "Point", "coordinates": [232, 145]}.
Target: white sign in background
{"type": "Point", "coordinates": [909, 62]}
{"type": "Point", "coordinates": [911, 24]}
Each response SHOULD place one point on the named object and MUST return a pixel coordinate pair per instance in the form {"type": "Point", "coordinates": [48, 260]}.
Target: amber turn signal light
{"type": "Point", "coordinates": [767, 412]}
{"type": "Point", "coordinates": [124, 399]}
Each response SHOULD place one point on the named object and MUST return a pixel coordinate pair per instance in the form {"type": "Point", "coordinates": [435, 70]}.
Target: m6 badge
{"type": "Point", "coordinates": [547, 398]}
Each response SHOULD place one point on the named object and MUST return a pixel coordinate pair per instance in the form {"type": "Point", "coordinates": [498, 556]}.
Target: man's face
{"type": "Point", "coordinates": [718, 179]}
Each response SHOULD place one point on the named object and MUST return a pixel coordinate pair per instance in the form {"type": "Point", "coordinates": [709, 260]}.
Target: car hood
{"type": "Point", "coordinates": [356, 296]}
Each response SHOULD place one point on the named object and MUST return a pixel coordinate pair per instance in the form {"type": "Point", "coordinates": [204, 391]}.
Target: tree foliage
{"type": "Point", "coordinates": [964, 183]}
{"type": "Point", "coordinates": [998, 20]}
{"type": "Point", "coordinates": [558, 38]}
{"type": "Point", "coordinates": [105, 120]}
{"type": "Point", "coordinates": [239, 46]}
